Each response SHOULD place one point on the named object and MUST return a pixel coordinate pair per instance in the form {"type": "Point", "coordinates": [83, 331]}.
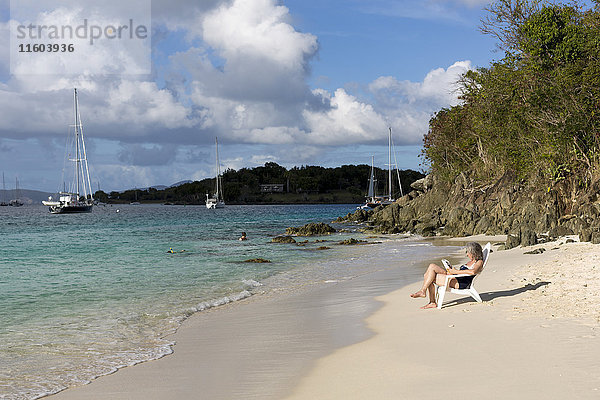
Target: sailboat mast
{"type": "Point", "coordinates": [397, 170]}
{"type": "Point", "coordinates": [371, 193]}
{"type": "Point", "coordinates": [77, 160]}
{"type": "Point", "coordinates": [390, 165]}
{"type": "Point", "coordinates": [218, 172]}
{"type": "Point", "coordinates": [85, 171]}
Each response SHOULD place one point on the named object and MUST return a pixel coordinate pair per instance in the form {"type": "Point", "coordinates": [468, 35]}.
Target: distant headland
{"type": "Point", "coordinates": [271, 184]}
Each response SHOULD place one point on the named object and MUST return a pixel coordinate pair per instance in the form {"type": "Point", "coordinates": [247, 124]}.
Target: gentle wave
{"type": "Point", "coordinates": [111, 364]}
{"type": "Point", "coordinates": [110, 297]}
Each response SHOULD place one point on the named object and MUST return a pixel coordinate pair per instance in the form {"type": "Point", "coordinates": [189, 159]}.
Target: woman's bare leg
{"type": "Point", "coordinates": [431, 290]}
{"type": "Point", "coordinates": [432, 303]}
{"type": "Point", "coordinates": [428, 278]}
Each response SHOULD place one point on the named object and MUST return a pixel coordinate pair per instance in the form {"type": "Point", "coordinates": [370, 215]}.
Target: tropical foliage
{"type": "Point", "coordinates": [537, 110]}
{"type": "Point", "coordinates": [306, 184]}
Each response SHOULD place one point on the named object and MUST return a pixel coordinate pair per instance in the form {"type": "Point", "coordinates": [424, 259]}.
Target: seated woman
{"type": "Point", "coordinates": [437, 274]}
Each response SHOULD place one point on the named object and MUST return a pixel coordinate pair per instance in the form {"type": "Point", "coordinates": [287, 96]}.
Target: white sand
{"type": "Point", "coordinates": [535, 336]}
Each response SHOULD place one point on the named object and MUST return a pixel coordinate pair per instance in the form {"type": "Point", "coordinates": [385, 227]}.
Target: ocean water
{"type": "Point", "coordinates": [83, 295]}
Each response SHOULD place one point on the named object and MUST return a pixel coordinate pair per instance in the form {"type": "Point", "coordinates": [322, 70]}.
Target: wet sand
{"type": "Point", "coordinates": [258, 348]}
{"type": "Point", "coordinates": [367, 339]}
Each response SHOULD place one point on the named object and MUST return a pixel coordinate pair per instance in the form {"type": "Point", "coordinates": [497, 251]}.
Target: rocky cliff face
{"type": "Point", "coordinates": [527, 214]}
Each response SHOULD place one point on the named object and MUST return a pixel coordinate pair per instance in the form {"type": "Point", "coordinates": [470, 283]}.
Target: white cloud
{"type": "Point", "coordinates": [244, 80]}
{"type": "Point", "coordinates": [143, 104]}
{"type": "Point", "coordinates": [260, 30]}
{"type": "Point", "coordinates": [439, 87]}
{"type": "Point", "coordinates": [347, 121]}
{"type": "Point", "coordinates": [251, 53]}
{"type": "Point", "coordinates": [409, 105]}
{"type": "Point", "coordinates": [76, 25]}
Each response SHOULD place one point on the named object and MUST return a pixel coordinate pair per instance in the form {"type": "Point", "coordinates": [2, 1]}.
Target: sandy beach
{"type": "Point", "coordinates": [536, 335]}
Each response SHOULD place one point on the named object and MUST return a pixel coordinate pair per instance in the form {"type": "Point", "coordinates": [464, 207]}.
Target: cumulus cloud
{"type": "Point", "coordinates": [143, 104]}
{"type": "Point", "coordinates": [258, 29]}
{"type": "Point", "coordinates": [347, 121]}
{"type": "Point", "coordinates": [99, 36]}
{"type": "Point", "coordinates": [439, 88]}
{"type": "Point", "coordinates": [242, 76]}
{"type": "Point", "coordinates": [409, 105]}
{"type": "Point", "coordinates": [405, 106]}
{"type": "Point", "coordinates": [261, 52]}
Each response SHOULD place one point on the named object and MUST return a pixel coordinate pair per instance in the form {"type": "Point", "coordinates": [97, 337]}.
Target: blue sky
{"type": "Point", "coordinates": [297, 82]}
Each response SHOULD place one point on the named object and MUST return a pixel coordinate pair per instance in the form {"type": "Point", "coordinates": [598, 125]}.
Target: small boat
{"type": "Point", "coordinates": [3, 203]}
{"type": "Point", "coordinates": [216, 201]}
{"type": "Point", "coordinates": [78, 199]}
{"type": "Point", "coordinates": [16, 202]}
{"type": "Point", "coordinates": [372, 200]}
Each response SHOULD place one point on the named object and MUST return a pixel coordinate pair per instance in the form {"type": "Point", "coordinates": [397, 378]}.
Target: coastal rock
{"type": "Point", "coordinates": [560, 231]}
{"type": "Point", "coordinates": [585, 235]}
{"type": "Point", "coordinates": [512, 241]}
{"type": "Point", "coordinates": [507, 205]}
{"type": "Point", "coordinates": [311, 229]}
{"type": "Point", "coordinates": [536, 251]}
{"type": "Point", "coordinates": [528, 238]}
{"type": "Point", "coordinates": [352, 241]}
{"type": "Point", "coordinates": [283, 239]}
{"type": "Point", "coordinates": [423, 184]}
{"type": "Point", "coordinates": [426, 228]}
{"type": "Point", "coordinates": [358, 216]}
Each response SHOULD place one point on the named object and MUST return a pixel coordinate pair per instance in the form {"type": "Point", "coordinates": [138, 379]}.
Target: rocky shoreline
{"type": "Point", "coordinates": [527, 215]}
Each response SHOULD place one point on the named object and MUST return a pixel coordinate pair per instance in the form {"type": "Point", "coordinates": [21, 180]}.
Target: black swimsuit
{"type": "Point", "coordinates": [464, 282]}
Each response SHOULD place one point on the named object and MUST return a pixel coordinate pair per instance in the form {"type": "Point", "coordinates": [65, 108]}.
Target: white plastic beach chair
{"type": "Point", "coordinates": [440, 291]}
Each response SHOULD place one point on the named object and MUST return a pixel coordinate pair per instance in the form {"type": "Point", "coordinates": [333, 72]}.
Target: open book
{"type": "Point", "coordinates": [446, 264]}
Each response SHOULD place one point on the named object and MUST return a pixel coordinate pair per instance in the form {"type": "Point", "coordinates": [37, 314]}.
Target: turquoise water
{"type": "Point", "coordinates": [83, 295]}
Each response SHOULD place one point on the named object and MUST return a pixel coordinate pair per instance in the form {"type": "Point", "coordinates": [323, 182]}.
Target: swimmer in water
{"type": "Point", "coordinates": [243, 237]}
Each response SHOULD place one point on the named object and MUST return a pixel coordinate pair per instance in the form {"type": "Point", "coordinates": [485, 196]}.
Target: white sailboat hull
{"type": "Point", "coordinates": [72, 209]}
{"type": "Point", "coordinates": [214, 203]}
{"type": "Point", "coordinates": [68, 204]}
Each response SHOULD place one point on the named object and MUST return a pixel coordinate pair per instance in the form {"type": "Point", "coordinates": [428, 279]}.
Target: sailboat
{"type": "Point", "coordinates": [373, 200]}
{"type": "Point", "coordinates": [3, 203]}
{"type": "Point", "coordinates": [78, 198]}
{"type": "Point", "coordinates": [16, 202]}
{"type": "Point", "coordinates": [216, 201]}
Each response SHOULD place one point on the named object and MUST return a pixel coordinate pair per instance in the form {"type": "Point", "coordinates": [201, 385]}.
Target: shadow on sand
{"type": "Point", "coordinates": [489, 296]}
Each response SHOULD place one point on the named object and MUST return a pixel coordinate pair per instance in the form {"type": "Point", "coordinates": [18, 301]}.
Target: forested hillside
{"type": "Point", "coordinates": [536, 111]}
{"type": "Point", "coordinates": [306, 184]}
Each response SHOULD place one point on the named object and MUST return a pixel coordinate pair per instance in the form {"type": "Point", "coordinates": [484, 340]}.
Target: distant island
{"type": "Point", "coordinates": [272, 184]}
